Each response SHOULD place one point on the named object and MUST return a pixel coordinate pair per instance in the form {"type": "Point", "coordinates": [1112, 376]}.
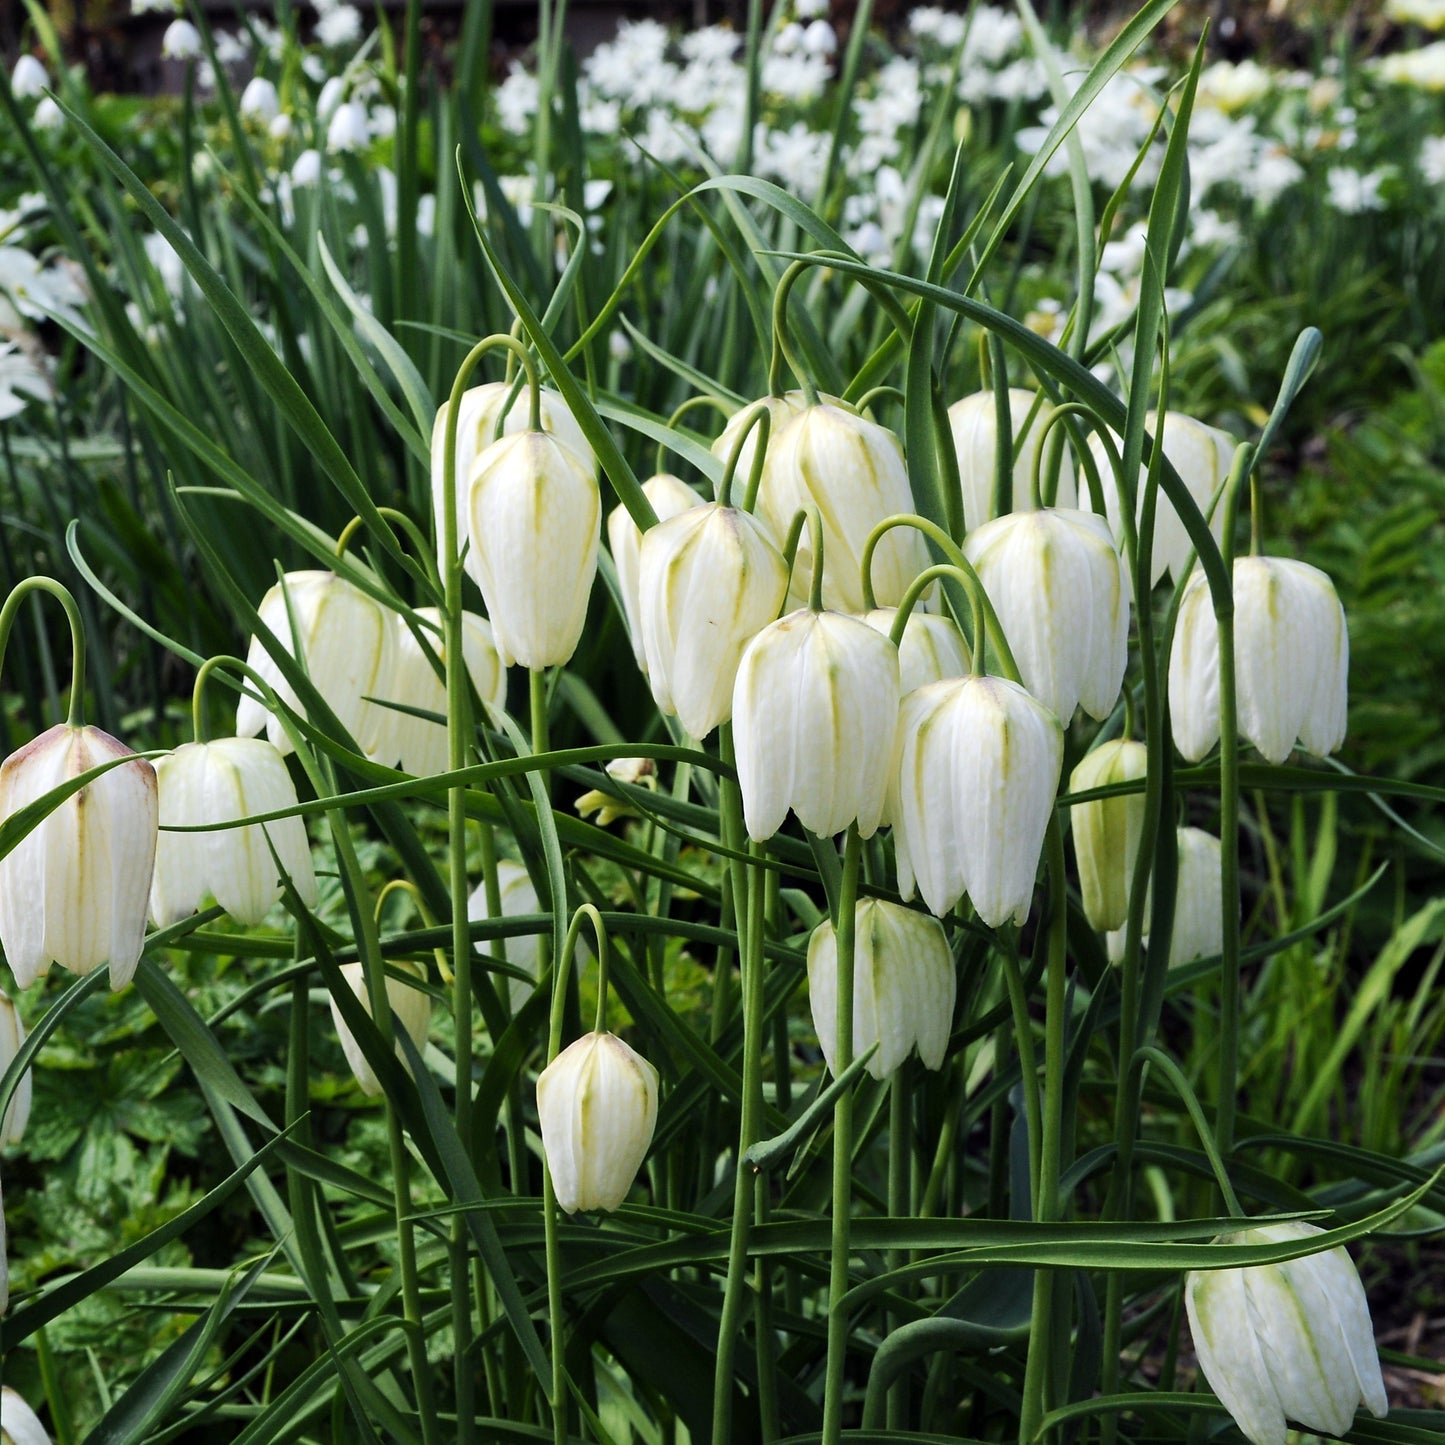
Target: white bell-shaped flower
{"type": "Point", "coordinates": [597, 1105]}
{"type": "Point", "coordinates": [19, 1424]}
{"type": "Point", "coordinates": [418, 743]}
{"type": "Point", "coordinates": [851, 469]}
{"type": "Point", "coordinates": [1198, 912]}
{"type": "Point", "coordinates": [974, 424]}
{"type": "Point", "coordinates": [1057, 582]}
{"type": "Point", "coordinates": [535, 520]}
{"type": "Point", "coordinates": [477, 416]}
{"type": "Point", "coordinates": [904, 987]}
{"type": "Point", "coordinates": [1290, 1341]}
{"type": "Point", "coordinates": [345, 640]}
{"type": "Point", "coordinates": [931, 648]}
{"type": "Point", "coordinates": [669, 495]}
{"type": "Point", "coordinates": [1291, 661]}
{"type": "Point", "coordinates": [1107, 830]}
{"type": "Point", "coordinates": [411, 1005]}
{"type": "Point", "coordinates": [211, 785]}
{"type": "Point", "coordinates": [781, 410]}
{"type": "Point", "coordinates": [815, 707]}
{"type": "Point", "coordinates": [709, 581]}
{"type": "Point", "coordinates": [73, 891]}
{"type": "Point", "coordinates": [12, 1035]}
{"type": "Point", "coordinates": [977, 768]}
{"type": "Point", "coordinates": [1202, 455]}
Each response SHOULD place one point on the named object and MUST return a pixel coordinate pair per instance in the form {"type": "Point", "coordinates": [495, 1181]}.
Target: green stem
{"type": "Point", "coordinates": [760, 418]}
{"type": "Point", "coordinates": [899, 1162]}
{"type": "Point", "coordinates": [410, 1283]}
{"type": "Point", "coordinates": [1161, 1061]}
{"type": "Point", "coordinates": [782, 344]}
{"type": "Point", "coordinates": [846, 933]}
{"type": "Point", "coordinates": [75, 715]}
{"type": "Point", "coordinates": [1048, 1206]}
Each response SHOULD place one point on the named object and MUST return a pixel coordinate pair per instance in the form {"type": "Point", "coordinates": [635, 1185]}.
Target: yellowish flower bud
{"type": "Point", "coordinates": [1107, 830]}
{"type": "Point", "coordinates": [73, 891]}
{"type": "Point", "coordinates": [597, 1105]}
{"type": "Point", "coordinates": [904, 987]}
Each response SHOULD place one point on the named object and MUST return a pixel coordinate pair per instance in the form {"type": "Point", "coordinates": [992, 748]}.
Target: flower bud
{"type": "Point", "coordinates": [1202, 455]}
{"type": "Point", "coordinates": [814, 712]}
{"type": "Point", "coordinates": [1291, 656]}
{"type": "Point", "coordinates": [411, 1005]}
{"type": "Point", "coordinates": [931, 648]}
{"type": "Point", "coordinates": [29, 79]}
{"type": "Point", "coordinates": [709, 581]}
{"type": "Point", "coordinates": [535, 519]}
{"type": "Point", "coordinates": [669, 495]}
{"type": "Point", "coordinates": [1286, 1341]}
{"type": "Point", "coordinates": [973, 422]}
{"type": "Point", "coordinates": [476, 429]}
{"type": "Point", "coordinates": [259, 101]}
{"type": "Point", "coordinates": [1056, 581]}
{"type": "Point", "coordinates": [597, 1105]}
{"type": "Point", "coordinates": [73, 890]}
{"type": "Point", "coordinates": [904, 987]}
{"type": "Point", "coordinates": [419, 743]}
{"type": "Point", "coordinates": [852, 470]}
{"type": "Point", "coordinates": [1107, 830]}
{"type": "Point", "coordinates": [213, 784]}
{"type": "Point", "coordinates": [19, 1424]}
{"type": "Point", "coordinates": [12, 1036]}
{"type": "Point", "coordinates": [346, 642]}
{"type": "Point", "coordinates": [977, 768]}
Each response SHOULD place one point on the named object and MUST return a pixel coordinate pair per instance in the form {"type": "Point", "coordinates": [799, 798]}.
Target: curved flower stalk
{"type": "Point", "coordinates": [477, 417]}
{"type": "Point", "coordinates": [815, 707]}
{"type": "Point", "coordinates": [1289, 1341]}
{"type": "Point", "coordinates": [411, 1005]}
{"type": "Point", "coordinates": [710, 580]}
{"type": "Point", "coordinates": [534, 516]}
{"type": "Point", "coordinates": [852, 471]}
{"type": "Point", "coordinates": [73, 891]}
{"type": "Point", "coordinates": [669, 496]}
{"type": "Point", "coordinates": [973, 422]}
{"type": "Point", "coordinates": [1292, 654]}
{"type": "Point", "coordinates": [904, 987]}
{"type": "Point", "coordinates": [977, 767]}
{"type": "Point", "coordinates": [1202, 455]}
{"type": "Point", "coordinates": [417, 743]}
{"type": "Point", "coordinates": [930, 649]}
{"type": "Point", "coordinates": [12, 1036]}
{"type": "Point", "coordinates": [1107, 830]}
{"type": "Point", "coordinates": [597, 1107]}
{"type": "Point", "coordinates": [211, 785]}
{"type": "Point", "coordinates": [1057, 582]}
{"type": "Point", "coordinates": [344, 639]}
